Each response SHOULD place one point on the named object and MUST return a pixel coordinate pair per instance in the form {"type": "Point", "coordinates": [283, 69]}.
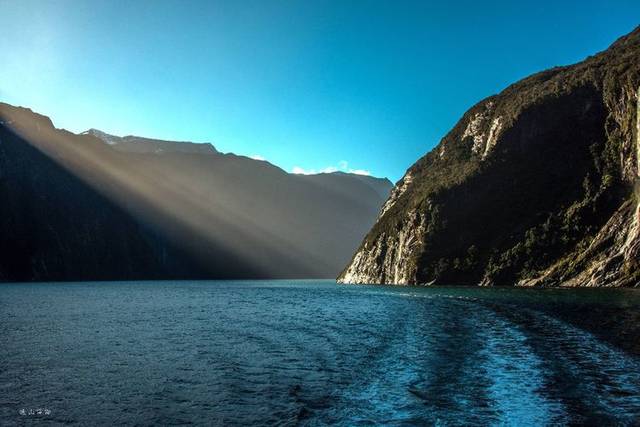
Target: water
{"type": "Point", "coordinates": [315, 353]}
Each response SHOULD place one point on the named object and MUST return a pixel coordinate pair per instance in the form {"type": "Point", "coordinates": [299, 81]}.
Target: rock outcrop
{"type": "Point", "coordinates": [536, 186]}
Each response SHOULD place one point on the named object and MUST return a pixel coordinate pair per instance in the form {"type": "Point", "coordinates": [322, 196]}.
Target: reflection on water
{"type": "Point", "coordinates": [315, 353]}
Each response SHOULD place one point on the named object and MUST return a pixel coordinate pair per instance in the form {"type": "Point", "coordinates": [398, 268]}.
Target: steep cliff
{"type": "Point", "coordinates": [536, 186]}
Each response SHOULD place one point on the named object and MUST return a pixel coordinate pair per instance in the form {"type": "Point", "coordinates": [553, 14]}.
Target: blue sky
{"type": "Point", "coordinates": [309, 84]}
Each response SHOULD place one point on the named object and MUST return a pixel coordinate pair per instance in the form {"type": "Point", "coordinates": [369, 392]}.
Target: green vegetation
{"type": "Point", "coordinates": [563, 163]}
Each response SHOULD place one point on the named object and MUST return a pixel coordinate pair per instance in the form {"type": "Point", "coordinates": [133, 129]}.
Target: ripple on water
{"type": "Point", "coordinates": [287, 353]}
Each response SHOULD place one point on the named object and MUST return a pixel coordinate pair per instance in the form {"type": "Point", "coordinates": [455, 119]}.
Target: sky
{"type": "Point", "coordinates": [308, 85]}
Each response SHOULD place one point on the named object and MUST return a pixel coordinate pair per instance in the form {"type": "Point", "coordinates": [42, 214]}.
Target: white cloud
{"type": "Point", "coordinates": [329, 169]}
{"type": "Point", "coordinates": [258, 157]}
{"type": "Point", "coordinates": [343, 166]}
{"type": "Point", "coordinates": [300, 171]}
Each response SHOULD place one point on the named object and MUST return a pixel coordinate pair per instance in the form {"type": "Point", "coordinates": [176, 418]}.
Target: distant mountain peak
{"type": "Point", "coordinates": [109, 139]}
{"type": "Point", "coordinates": [138, 144]}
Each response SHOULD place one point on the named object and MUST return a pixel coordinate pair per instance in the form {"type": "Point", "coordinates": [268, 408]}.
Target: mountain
{"type": "Point", "coordinates": [136, 144]}
{"type": "Point", "coordinates": [536, 186]}
{"type": "Point", "coordinates": [95, 206]}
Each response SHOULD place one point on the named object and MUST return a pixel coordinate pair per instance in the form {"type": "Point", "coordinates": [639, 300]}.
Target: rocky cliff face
{"type": "Point", "coordinates": [535, 186]}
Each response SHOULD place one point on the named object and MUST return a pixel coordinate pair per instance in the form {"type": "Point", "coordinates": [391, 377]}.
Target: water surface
{"type": "Point", "coordinates": [316, 353]}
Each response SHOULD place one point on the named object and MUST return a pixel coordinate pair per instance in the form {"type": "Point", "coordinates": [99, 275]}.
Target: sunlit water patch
{"type": "Point", "coordinates": [315, 353]}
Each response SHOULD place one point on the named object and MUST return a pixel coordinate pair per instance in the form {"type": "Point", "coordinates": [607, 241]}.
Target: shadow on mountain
{"type": "Point", "coordinates": [75, 207]}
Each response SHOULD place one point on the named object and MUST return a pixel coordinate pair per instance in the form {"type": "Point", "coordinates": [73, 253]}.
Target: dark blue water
{"type": "Point", "coordinates": [315, 353]}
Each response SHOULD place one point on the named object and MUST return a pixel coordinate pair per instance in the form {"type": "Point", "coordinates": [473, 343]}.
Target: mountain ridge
{"type": "Point", "coordinates": [139, 144]}
{"type": "Point", "coordinates": [82, 209]}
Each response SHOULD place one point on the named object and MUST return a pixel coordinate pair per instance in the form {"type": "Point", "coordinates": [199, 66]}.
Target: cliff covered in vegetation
{"type": "Point", "coordinates": [536, 186]}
